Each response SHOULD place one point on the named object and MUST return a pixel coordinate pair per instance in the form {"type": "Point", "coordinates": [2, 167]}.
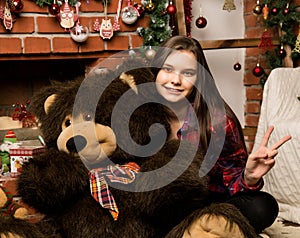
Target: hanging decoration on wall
{"type": "Point", "coordinates": [229, 5]}
{"type": "Point", "coordinates": [116, 25]}
{"type": "Point", "coordinates": [296, 50]}
{"type": "Point", "coordinates": [129, 14]}
{"type": "Point", "coordinates": [265, 11]}
{"type": "Point", "coordinates": [54, 8]}
{"type": "Point", "coordinates": [15, 6]}
{"type": "Point", "coordinates": [258, 71]}
{"type": "Point", "coordinates": [188, 16]}
{"type": "Point", "coordinates": [7, 17]}
{"type": "Point", "coordinates": [282, 52]}
{"type": "Point", "coordinates": [237, 66]}
{"type": "Point", "coordinates": [266, 40]}
{"type": "Point", "coordinates": [140, 8]}
{"type": "Point", "coordinates": [79, 33]}
{"type": "Point", "coordinates": [201, 21]}
{"type": "Point", "coordinates": [67, 17]}
{"type": "Point", "coordinates": [150, 6]}
{"type": "Point", "coordinates": [106, 29]}
{"type": "Point", "coordinates": [171, 8]}
{"type": "Point", "coordinates": [257, 10]}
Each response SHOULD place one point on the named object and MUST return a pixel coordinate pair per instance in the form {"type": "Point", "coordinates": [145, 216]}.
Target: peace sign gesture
{"type": "Point", "coordinates": [261, 161]}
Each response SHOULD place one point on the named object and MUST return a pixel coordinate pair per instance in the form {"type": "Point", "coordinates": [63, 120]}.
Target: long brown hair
{"type": "Point", "coordinates": [205, 95]}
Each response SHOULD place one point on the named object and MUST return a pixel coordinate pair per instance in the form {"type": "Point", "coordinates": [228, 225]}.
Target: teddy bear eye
{"type": "Point", "coordinates": [68, 123]}
{"type": "Point", "coordinates": [87, 117]}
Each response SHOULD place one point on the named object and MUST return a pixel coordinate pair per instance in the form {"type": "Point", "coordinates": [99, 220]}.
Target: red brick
{"type": "Point", "coordinates": [93, 43]}
{"type": "Point", "coordinates": [251, 120]}
{"type": "Point", "coordinates": [33, 45]}
{"type": "Point", "coordinates": [49, 25]}
{"type": "Point", "coordinates": [136, 41]}
{"type": "Point", "coordinates": [23, 25]}
{"type": "Point", "coordinates": [250, 20]}
{"type": "Point", "coordinates": [10, 45]}
{"type": "Point", "coordinates": [250, 79]}
{"type": "Point", "coordinates": [118, 43]}
{"type": "Point", "coordinates": [64, 45]}
{"type": "Point", "coordinates": [252, 107]}
{"type": "Point", "coordinates": [253, 93]}
{"type": "Point", "coordinates": [91, 6]}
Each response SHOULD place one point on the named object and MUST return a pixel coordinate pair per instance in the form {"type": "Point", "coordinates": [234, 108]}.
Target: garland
{"type": "Point", "coordinates": [42, 3]}
{"type": "Point", "coordinates": [284, 16]}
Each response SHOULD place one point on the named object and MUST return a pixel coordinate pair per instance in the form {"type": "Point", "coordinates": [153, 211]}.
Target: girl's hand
{"type": "Point", "coordinates": [261, 161]}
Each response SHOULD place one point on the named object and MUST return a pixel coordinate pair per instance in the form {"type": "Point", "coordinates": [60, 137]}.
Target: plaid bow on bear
{"type": "Point", "coordinates": [124, 174]}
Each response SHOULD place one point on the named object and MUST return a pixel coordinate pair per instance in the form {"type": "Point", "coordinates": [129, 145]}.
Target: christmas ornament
{"type": "Point", "coordinates": [171, 9]}
{"type": "Point", "coordinates": [229, 5]}
{"type": "Point", "coordinates": [258, 70]}
{"type": "Point", "coordinates": [16, 5]}
{"type": "Point", "coordinates": [7, 16]}
{"type": "Point", "coordinates": [79, 33]}
{"type": "Point", "coordinates": [274, 11]}
{"type": "Point", "coordinates": [188, 16]}
{"type": "Point", "coordinates": [286, 10]}
{"type": "Point", "coordinates": [257, 10]}
{"type": "Point", "coordinates": [106, 29]}
{"type": "Point", "coordinates": [54, 8]}
{"type": "Point", "coordinates": [66, 17]}
{"type": "Point", "coordinates": [201, 21]}
{"type": "Point", "coordinates": [266, 40]}
{"type": "Point", "coordinates": [22, 114]}
{"type": "Point", "coordinates": [116, 25]}
{"type": "Point", "coordinates": [96, 25]}
{"type": "Point", "coordinates": [150, 6]}
{"type": "Point", "coordinates": [150, 53]}
{"type": "Point", "coordinates": [282, 52]}
{"type": "Point", "coordinates": [237, 66]}
{"type": "Point", "coordinates": [140, 8]}
{"type": "Point", "coordinates": [265, 11]}
{"type": "Point", "coordinates": [296, 50]}
{"type": "Point", "coordinates": [129, 14]}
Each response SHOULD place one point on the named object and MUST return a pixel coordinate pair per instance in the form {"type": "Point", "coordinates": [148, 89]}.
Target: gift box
{"type": "Point", "coordinates": [22, 154]}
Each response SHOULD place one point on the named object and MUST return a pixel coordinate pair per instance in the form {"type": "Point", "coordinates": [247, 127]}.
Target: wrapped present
{"type": "Point", "coordinates": [22, 154]}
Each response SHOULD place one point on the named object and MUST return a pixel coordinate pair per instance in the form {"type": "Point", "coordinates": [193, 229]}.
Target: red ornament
{"type": "Point", "coordinates": [140, 8]}
{"type": "Point", "coordinates": [274, 11]}
{"type": "Point", "coordinates": [258, 71]}
{"type": "Point", "coordinates": [237, 66]}
{"type": "Point", "coordinates": [171, 9]}
{"type": "Point", "coordinates": [16, 5]}
{"type": "Point", "coordinates": [54, 9]}
{"type": "Point", "coordinates": [201, 22]}
{"type": "Point", "coordinates": [282, 52]}
{"type": "Point", "coordinates": [286, 11]}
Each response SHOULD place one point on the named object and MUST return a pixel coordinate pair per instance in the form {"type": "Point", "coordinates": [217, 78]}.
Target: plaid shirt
{"type": "Point", "coordinates": [226, 176]}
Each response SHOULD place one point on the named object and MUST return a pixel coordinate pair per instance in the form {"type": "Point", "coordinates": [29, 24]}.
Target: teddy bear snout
{"type": "Point", "coordinates": [76, 144]}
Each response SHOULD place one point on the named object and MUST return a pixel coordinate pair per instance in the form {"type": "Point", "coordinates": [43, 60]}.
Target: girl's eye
{"type": "Point", "coordinates": [189, 73]}
{"type": "Point", "coordinates": [167, 69]}
{"type": "Point", "coordinates": [87, 117]}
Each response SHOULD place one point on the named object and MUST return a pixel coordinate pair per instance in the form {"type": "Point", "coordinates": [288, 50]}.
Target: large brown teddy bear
{"type": "Point", "coordinates": [109, 170]}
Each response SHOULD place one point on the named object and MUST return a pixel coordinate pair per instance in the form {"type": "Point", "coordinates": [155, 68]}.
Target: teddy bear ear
{"type": "Point", "coordinates": [48, 102]}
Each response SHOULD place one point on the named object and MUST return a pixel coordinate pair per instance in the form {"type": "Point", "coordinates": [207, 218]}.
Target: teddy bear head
{"type": "Point", "coordinates": [112, 114]}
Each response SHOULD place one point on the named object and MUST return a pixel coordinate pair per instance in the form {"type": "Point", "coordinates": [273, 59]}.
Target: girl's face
{"type": "Point", "coordinates": [176, 79]}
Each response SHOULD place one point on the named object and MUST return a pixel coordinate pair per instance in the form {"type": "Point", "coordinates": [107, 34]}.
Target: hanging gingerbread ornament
{"type": "Point", "coordinates": [16, 6]}
{"type": "Point", "coordinates": [106, 28]}
{"type": "Point", "coordinates": [129, 14]}
{"type": "Point", "coordinates": [201, 21]}
{"type": "Point", "coordinates": [229, 5]}
{"type": "Point", "coordinates": [67, 17]}
{"type": "Point", "coordinates": [171, 9]}
{"type": "Point", "coordinates": [257, 10]}
{"type": "Point", "coordinates": [7, 17]}
{"type": "Point", "coordinates": [265, 11]}
{"type": "Point", "coordinates": [54, 8]}
{"type": "Point", "coordinates": [258, 70]}
{"type": "Point", "coordinates": [150, 6]}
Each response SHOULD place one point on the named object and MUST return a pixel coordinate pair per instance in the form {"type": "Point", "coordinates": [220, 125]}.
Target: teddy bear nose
{"type": "Point", "coordinates": [76, 144]}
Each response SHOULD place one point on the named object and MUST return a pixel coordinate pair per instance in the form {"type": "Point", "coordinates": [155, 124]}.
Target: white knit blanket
{"type": "Point", "coordinates": [281, 108]}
